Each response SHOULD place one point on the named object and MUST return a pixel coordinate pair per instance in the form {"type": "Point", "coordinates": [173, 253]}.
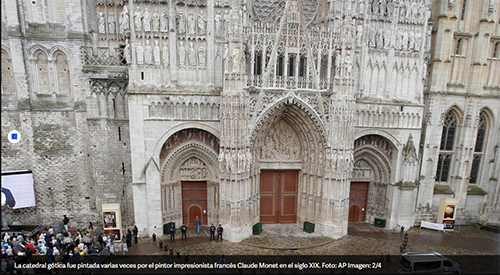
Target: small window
{"type": "Point", "coordinates": [458, 49]}
{"type": "Point", "coordinates": [302, 67]}
{"type": "Point", "coordinates": [258, 64]}
{"type": "Point", "coordinates": [495, 50]}
{"type": "Point", "coordinates": [464, 4]}
{"type": "Point", "coordinates": [279, 70]}
{"type": "Point", "coordinates": [291, 65]}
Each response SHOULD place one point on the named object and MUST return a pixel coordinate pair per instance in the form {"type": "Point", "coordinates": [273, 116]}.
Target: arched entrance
{"type": "Point", "coordinates": [373, 155]}
{"type": "Point", "coordinates": [193, 212]}
{"type": "Point", "coordinates": [194, 201]}
{"type": "Point", "coordinates": [288, 144]}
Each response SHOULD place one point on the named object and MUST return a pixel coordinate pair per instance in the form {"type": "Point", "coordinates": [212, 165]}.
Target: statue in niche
{"type": "Point", "coordinates": [155, 21]}
{"type": "Point", "coordinates": [111, 24]}
{"type": "Point", "coordinates": [201, 56]}
{"type": "Point", "coordinates": [451, 4]}
{"type": "Point", "coordinates": [102, 24]}
{"type": "Point", "coordinates": [165, 54]}
{"type": "Point", "coordinates": [424, 70]}
{"type": "Point", "coordinates": [359, 35]}
{"type": "Point", "coordinates": [375, 6]}
{"type": "Point", "coordinates": [138, 20]}
{"type": "Point", "coordinates": [182, 53]}
{"type": "Point", "coordinates": [126, 52]}
{"type": "Point", "coordinates": [192, 55]}
{"type": "Point", "coordinates": [371, 41]}
{"type": "Point", "coordinates": [164, 21]}
{"type": "Point", "coordinates": [191, 25]}
{"type": "Point", "coordinates": [218, 23]}
{"type": "Point", "coordinates": [147, 21]}
{"type": "Point", "coordinates": [337, 63]}
{"type": "Point", "coordinates": [361, 6]}
{"type": "Point", "coordinates": [226, 19]}
{"type": "Point", "coordinates": [348, 64]}
{"type": "Point", "coordinates": [156, 53]}
{"type": "Point", "coordinates": [402, 12]}
{"type": "Point", "coordinates": [148, 54]}
{"type": "Point", "coordinates": [411, 40]}
{"type": "Point", "coordinates": [380, 38]}
{"type": "Point", "coordinates": [390, 8]}
{"type": "Point", "coordinates": [202, 23]}
{"type": "Point", "coordinates": [387, 38]}
{"type": "Point", "coordinates": [404, 40]}
{"type": "Point", "coordinates": [140, 53]}
{"type": "Point", "coordinates": [181, 25]}
{"type": "Point", "coordinates": [226, 56]}
{"type": "Point", "coordinates": [235, 58]}
{"type": "Point", "coordinates": [418, 41]}
{"type": "Point", "coordinates": [124, 21]}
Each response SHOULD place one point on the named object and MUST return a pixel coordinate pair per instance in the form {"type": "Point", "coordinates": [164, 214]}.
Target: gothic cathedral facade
{"type": "Point", "coordinates": [254, 111]}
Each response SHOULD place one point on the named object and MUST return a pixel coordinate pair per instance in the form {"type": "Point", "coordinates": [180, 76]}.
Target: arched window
{"type": "Point", "coordinates": [42, 65]}
{"type": "Point", "coordinates": [446, 148]}
{"type": "Point", "coordinates": [479, 148]}
{"type": "Point", "coordinates": [62, 73]}
{"type": "Point", "coordinates": [8, 80]}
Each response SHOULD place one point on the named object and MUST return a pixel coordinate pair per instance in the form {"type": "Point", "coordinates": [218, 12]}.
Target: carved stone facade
{"type": "Point", "coordinates": [216, 92]}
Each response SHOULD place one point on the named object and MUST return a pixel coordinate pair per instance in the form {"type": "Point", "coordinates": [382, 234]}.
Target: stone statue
{"type": "Point", "coordinates": [126, 52]}
{"type": "Point", "coordinates": [226, 19]}
{"type": "Point", "coordinates": [146, 21]}
{"type": "Point", "coordinates": [164, 21]}
{"type": "Point", "coordinates": [202, 56]}
{"type": "Point", "coordinates": [348, 64]}
{"type": "Point", "coordinates": [337, 63]}
{"type": "Point", "coordinates": [418, 41]}
{"type": "Point", "coordinates": [380, 38]}
{"type": "Point", "coordinates": [404, 40]}
{"type": "Point", "coordinates": [359, 35]}
{"type": "Point", "coordinates": [383, 7]}
{"type": "Point", "coordinates": [202, 23]}
{"type": "Point", "coordinates": [192, 55]}
{"type": "Point", "coordinates": [181, 25]}
{"type": "Point", "coordinates": [451, 3]}
{"type": "Point", "coordinates": [111, 24]}
{"type": "Point", "coordinates": [226, 56]}
{"type": "Point", "coordinates": [148, 54]}
{"type": "Point", "coordinates": [165, 54]}
{"type": "Point", "coordinates": [411, 40]}
{"type": "Point", "coordinates": [424, 70]}
{"type": "Point", "coordinates": [182, 53]}
{"type": "Point", "coordinates": [361, 6]}
{"type": "Point", "coordinates": [371, 41]}
{"type": "Point", "coordinates": [156, 53]}
{"type": "Point", "coordinates": [155, 24]}
{"type": "Point", "coordinates": [124, 21]}
{"type": "Point", "coordinates": [387, 38]}
{"type": "Point", "coordinates": [235, 58]}
{"type": "Point", "coordinates": [138, 20]}
{"type": "Point", "coordinates": [218, 23]}
{"type": "Point", "coordinates": [140, 54]}
{"type": "Point", "coordinates": [191, 25]}
{"type": "Point", "coordinates": [102, 23]}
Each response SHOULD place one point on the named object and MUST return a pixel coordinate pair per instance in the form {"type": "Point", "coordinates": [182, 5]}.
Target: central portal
{"type": "Point", "coordinates": [278, 196]}
{"type": "Point", "coordinates": [194, 201]}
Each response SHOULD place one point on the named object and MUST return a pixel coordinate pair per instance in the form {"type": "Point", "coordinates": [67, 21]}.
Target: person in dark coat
{"type": "Point", "coordinates": [172, 233]}
{"type": "Point", "coordinates": [129, 238]}
{"type": "Point", "coordinates": [212, 232]}
{"type": "Point", "coordinates": [184, 231]}
{"type": "Point", "coordinates": [136, 232]}
{"type": "Point", "coordinates": [219, 232]}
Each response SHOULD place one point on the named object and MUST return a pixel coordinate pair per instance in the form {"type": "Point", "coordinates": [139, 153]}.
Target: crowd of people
{"type": "Point", "coordinates": [52, 246]}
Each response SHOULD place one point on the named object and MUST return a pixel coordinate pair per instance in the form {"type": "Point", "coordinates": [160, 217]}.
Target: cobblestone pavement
{"type": "Point", "coordinates": [362, 239]}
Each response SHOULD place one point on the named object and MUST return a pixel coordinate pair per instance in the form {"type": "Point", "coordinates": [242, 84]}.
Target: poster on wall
{"type": "Point", "coordinates": [109, 219]}
{"type": "Point", "coordinates": [449, 211]}
{"type": "Point", "coordinates": [18, 190]}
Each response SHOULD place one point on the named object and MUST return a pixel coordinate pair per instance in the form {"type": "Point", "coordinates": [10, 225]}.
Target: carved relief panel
{"type": "Point", "coordinates": [281, 143]}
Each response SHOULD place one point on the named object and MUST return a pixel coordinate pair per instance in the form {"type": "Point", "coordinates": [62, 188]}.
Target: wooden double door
{"type": "Point", "coordinates": [194, 201]}
{"type": "Point", "coordinates": [358, 197]}
{"type": "Point", "coordinates": [278, 196]}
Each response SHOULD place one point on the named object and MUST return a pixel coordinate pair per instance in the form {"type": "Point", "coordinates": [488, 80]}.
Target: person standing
{"type": "Point", "coordinates": [212, 232]}
{"type": "Point", "coordinates": [66, 222]}
{"type": "Point", "coordinates": [136, 232]}
{"type": "Point", "coordinates": [184, 231]}
{"type": "Point", "coordinates": [129, 238]}
{"type": "Point", "coordinates": [172, 233]}
{"type": "Point", "coordinates": [219, 232]}
{"type": "Point", "coordinates": [197, 224]}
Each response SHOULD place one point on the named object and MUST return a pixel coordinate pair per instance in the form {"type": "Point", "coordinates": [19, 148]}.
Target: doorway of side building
{"type": "Point", "coordinates": [358, 197]}
{"type": "Point", "coordinates": [194, 201]}
{"type": "Point", "coordinates": [278, 196]}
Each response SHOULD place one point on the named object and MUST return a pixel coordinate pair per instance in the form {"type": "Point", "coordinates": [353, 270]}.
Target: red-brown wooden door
{"type": "Point", "coordinates": [194, 201]}
{"type": "Point", "coordinates": [357, 201]}
{"type": "Point", "coordinates": [278, 196]}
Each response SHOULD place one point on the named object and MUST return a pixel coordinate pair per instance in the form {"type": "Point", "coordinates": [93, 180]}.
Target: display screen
{"type": "Point", "coordinates": [18, 190]}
